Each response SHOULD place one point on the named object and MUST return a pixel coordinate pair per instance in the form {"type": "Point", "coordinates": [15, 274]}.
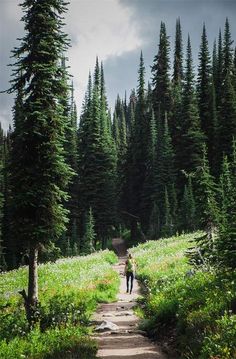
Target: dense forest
{"type": "Point", "coordinates": [163, 163]}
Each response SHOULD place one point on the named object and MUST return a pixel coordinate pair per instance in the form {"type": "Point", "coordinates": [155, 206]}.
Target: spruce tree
{"type": "Point", "coordinates": [227, 118]}
{"type": "Point", "coordinates": [164, 174]}
{"type": "Point", "coordinates": [204, 92]}
{"type": "Point", "coordinates": [192, 136]}
{"type": "Point", "coordinates": [219, 78]}
{"type": "Point", "coordinates": [178, 55]}
{"type": "Point", "coordinates": [97, 160]}
{"type": "Point", "coordinates": [226, 243]}
{"type": "Point", "coordinates": [160, 71]}
{"type": "Point", "coordinates": [177, 93]}
{"type": "Point", "coordinates": [139, 145]}
{"type": "Point", "coordinates": [40, 174]}
{"type": "Point", "coordinates": [89, 233]}
{"type": "Point", "coordinates": [2, 259]}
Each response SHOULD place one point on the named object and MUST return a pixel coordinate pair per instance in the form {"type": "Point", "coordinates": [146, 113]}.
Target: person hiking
{"type": "Point", "coordinates": [130, 265]}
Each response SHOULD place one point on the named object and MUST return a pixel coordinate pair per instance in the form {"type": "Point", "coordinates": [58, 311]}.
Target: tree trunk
{"type": "Point", "coordinates": [31, 300]}
{"type": "Point", "coordinates": [33, 276]}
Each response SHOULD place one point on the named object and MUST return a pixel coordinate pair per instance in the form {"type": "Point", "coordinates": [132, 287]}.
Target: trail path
{"type": "Point", "coordinates": [126, 341]}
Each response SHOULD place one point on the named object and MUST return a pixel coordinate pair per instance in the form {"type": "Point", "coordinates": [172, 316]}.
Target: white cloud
{"type": "Point", "coordinates": [97, 28]}
{"type": "Point", "coordinates": [102, 28]}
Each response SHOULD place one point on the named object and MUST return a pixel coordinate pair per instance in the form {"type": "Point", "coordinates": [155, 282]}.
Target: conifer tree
{"type": "Point", "coordinates": [226, 244]}
{"type": "Point", "coordinates": [192, 136]}
{"type": "Point", "coordinates": [160, 71]}
{"type": "Point", "coordinates": [164, 174]}
{"type": "Point", "coordinates": [219, 78]}
{"type": "Point", "coordinates": [227, 118]}
{"type": "Point", "coordinates": [188, 218]}
{"type": "Point", "coordinates": [227, 50]}
{"type": "Point", "coordinates": [139, 144]}
{"type": "Point", "coordinates": [97, 160]}
{"type": "Point", "coordinates": [204, 90]}
{"type": "Point", "coordinates": [2, 260]}
{"type": "Point", "coordinates": [178, 56]}
{"type": "Point", "coordinates": [214, 63]}
{"type": "Point", "coordinates": [41, 175]}
{"type": "Point", "coordinates": [167, 227]}
{"type": "Point", "coordinates": [177, 93]}
{"type": "Point", "coordinates": [89, 233]}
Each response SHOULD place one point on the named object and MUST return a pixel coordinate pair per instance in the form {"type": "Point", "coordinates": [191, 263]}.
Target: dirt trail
{"type": "Point", "coordinates": [126, 341]}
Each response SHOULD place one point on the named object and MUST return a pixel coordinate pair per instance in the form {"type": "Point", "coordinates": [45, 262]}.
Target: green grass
{"type": "Point", "coordinates": [69, 292]}
{"type": "Point", "coordinates": [196, 309]}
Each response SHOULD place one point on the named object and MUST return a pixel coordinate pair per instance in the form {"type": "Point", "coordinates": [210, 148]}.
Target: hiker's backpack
{"type": "Point", "coordinates": [130, 265]}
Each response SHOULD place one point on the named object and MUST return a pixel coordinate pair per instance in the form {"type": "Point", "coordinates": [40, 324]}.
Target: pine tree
{"type": "Point", "coordinates": [178, 56]}
{"type": "Point", "coordinates": [167, 228]}
{"type": "Point", "coordinates": [139, 145]}
{"type": "Point", "coordinates": [97, 160]}
{"type": "Point", "coordinates": [204, 96]}
{"type": "Point", "coordinates": [227, 50]}
{"type": "Point", "coordinates": [188, 218]}
{"type": "Point", "coordinates": [214, 63]}
{"type": "Point", "coordinates": [40, 176]}
{"type": "Point", "coordinates": [160, 71]}
{"type": "Point", "coordinates": [71, 157]}
{"type": "Point", "coordinates": [234, 70]}
{"type": "Point", "coordinates": [2, 259]}
{"type": "Point", "coordinates": [227, 119]}
{"type": "Point", "coordinates": [192, 136]}
{"type": "Point", "coordinates": [177, 93]}
{"type": "Point", "coordinates": [219, 73]}
{"type": "Point", "coordinates": [89, 233]}
{"type": "Point", "coordinates": [226, 243]}
{"type": "Point", "coordinates": [164, 174]}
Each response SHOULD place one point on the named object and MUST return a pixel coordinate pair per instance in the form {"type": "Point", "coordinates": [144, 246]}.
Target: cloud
{"type": "Point", "coordinates": [96, 28]}
{"type": "Point", "coordinates": [116, 31]}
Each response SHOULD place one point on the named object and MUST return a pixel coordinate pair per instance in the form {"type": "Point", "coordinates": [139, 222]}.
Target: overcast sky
{"type": "Point", "coordinates": [116, 31]}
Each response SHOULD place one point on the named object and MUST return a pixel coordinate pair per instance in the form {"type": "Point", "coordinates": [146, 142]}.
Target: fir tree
{"type": "Point", "coordinates": [2, 259]}
{"type": "Point", "coordinates": [160, 71]}
{"type": "Point", "coordinates": [40, 176]}
{"type": "Point", "coordinates": [89, 233]}
{"type": "Point", "coordinates": [192, 136]}
{"type": "Point", "coordinates": [139, 146]}
{"type": "Point", "coordinates": [204, 94]}
{"type": "Point", "coordinates": [227, 118]}
{"type": "Point", "coordinates": [188, 220]}
{"type": "Point", "coordinates": [178, 56]}
{"type": "Point", "coordinates": [226, 244]}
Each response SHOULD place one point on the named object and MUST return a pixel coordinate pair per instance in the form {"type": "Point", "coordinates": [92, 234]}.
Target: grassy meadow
{"type": "Point", "coordinates": [69, 291]}
{"type": "Point", "coordinates": [193, 309]}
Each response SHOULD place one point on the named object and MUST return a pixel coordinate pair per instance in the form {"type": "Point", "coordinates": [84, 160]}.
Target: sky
{"type": "Point", "coordinates": [116, 31]}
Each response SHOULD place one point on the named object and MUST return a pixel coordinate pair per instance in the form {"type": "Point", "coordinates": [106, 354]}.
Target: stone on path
{"type": "Point", "coordinates": [106, 326]}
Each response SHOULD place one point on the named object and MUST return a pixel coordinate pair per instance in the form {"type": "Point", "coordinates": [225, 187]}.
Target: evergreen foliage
{"type": "Point", "coordinates": [160, 71]}
{"type": "Point", "coordinates": [39, 174]}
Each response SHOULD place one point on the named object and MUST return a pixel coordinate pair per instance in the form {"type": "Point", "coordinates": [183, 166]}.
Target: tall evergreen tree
{"type": "Point", "coordinates": [97, 159]}
{"type": "Point", "coordinates": [178, 55]}
{"type": "Point", "coordinates": [160, 71]}
{"type": "Point", "coordinates": [40, 174]}
{"type": "Point", "coordinates": [164, 174]}
{"type": "Point", "coordinates": [206, 98]}
{"type": "Point", "coordinates": [2, 260]}
{"type": "Point", "coordinates": [192, 136]}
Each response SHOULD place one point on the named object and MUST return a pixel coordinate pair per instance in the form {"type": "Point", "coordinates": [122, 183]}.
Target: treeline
{"type": "Point", "coordinates": [164, 163]}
